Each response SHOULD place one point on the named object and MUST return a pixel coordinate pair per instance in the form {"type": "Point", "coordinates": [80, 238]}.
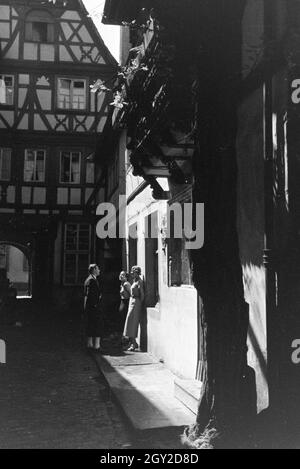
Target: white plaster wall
{"type": "Point", "coordinates": [172, 327]}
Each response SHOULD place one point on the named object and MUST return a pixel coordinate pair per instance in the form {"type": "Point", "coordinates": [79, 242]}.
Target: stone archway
{"type": "Point", "coordinates": [16, 264]}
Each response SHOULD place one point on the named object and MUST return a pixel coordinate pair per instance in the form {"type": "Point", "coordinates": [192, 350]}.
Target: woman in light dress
{"type": "Point", "coordinates": [135, 308]}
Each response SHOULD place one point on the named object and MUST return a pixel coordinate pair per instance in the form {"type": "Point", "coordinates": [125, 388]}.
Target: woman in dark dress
{"type": "Point", "coordinates": [125, 292]}
{"type": "Point", "coordinates": [92, 310]}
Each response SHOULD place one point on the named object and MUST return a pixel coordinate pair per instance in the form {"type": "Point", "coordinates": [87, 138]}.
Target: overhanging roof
{"type": "Point", "coordinates": [117, 11]}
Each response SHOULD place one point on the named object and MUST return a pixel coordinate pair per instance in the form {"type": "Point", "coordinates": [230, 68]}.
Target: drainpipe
{"type": "Point", "coordinates": [272, 325]}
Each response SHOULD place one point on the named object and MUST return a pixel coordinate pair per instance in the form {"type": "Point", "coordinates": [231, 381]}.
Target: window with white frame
{"type": "Point", "coordinates": [71, 93]}
{"type": "Point", "coordinates": [77, 246]}
{"type": "Point", "coordinates": [7, 89]}
{"type": "Point", "coordinates": [34, 165]}
{"type": "Point", "coordinates": [5, 164]}
{"type": "Point", "coordinates": [70, 167]}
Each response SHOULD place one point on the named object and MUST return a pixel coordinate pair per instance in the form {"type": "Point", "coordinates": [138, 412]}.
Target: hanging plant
{"type": "Point", "coordinates": [118, 101]}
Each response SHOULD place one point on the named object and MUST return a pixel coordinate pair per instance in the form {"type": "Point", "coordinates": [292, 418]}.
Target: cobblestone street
{"type": "Point", "coordinates": [51, 394]}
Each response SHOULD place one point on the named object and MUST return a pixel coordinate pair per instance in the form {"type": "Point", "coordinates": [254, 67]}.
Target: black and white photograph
{"type": "Point", "coordinates": [149, 227]}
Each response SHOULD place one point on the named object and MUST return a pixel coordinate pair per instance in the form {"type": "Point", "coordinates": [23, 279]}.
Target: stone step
{"type": "Point", "coordinates": [187, 391]}
{"type": "Point", "coordinates": [144, 388]}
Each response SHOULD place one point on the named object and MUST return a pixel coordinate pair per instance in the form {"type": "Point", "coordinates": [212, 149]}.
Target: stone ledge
{"type": "Point", "coordinates": [187, 391]}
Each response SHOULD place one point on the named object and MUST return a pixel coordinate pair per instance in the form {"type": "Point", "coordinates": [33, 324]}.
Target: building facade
{"type": "Point", "coordinates": [208, 111]}
{"type": "Point", "coordinates": [51, 122]}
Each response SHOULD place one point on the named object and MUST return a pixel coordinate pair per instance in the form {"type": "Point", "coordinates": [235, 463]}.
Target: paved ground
{"type": "Point", "coordinates": [51, 393]}
{"type": "Point", "coordinates": [144, 388]}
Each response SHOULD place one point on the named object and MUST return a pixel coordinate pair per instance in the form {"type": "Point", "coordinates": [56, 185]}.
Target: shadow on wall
{"type": "Point", "coordinates": [144, 330]}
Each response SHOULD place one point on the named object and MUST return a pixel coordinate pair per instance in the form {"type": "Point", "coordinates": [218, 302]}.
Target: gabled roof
{"type": "Point", "coordinates": [75, 5]}
{"type": "Point", "coordinates": [109, 57]}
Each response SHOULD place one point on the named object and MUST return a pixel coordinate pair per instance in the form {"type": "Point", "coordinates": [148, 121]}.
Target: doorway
{"type": "Point", "coordinates": [15, 269]}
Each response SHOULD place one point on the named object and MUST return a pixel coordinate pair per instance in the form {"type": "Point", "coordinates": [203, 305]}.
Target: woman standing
{"type": "Point", "coordinates": [125, 293]}
{"type": "Point", "coordinates": [135, 308]}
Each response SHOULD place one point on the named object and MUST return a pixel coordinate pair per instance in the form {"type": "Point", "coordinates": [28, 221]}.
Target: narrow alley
{"type": "Point", "coordinates": [51, 393]}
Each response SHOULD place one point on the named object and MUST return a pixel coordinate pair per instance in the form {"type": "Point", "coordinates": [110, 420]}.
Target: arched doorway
{"type": "Point", "coordinates": [16, 267]}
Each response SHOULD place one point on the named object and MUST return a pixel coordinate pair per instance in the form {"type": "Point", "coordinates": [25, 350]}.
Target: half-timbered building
{"type": "Point", "coordinates": [50, 125]}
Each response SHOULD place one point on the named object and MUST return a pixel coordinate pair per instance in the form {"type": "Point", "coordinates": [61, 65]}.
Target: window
{"type": "Point", "coordinates": [7, 90]}
{"type": "Point", "coordinates": [5, 164]}
{"type": "Point", "coordinates": [71, 94]}
{"type": "Point", "coordinates": [70, 167]}
{"type": "Point", "coordinates": [34, 166]}
{"type": "Point", "coordinates": [180, 272]}
{"type": "Point", "coordinates": [179, 262]}
{"type": "Point", "coordinates": [77, 245]}
{"type": "Point", "coordinates": [39, 27]}
{"type": "Point", "coordinates": [151, 259]}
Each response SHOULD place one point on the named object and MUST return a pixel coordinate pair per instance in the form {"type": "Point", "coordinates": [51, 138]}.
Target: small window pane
{"type": "Point", "coordinates": [34, 166]}
{"type": "Point", "coordinates": [84, 238]}
{"type": "Point", "coordinates": [8, 81]}
{"type": "Point", "coordinates": [79, 95]}
{"type": "Point", "coordinates": [65, 167]}
{"type": "Point", "coordinates": [70, 167]}
{"type": "Point", "coordinates": [75, 168]}
{"type": "Point", "coordinates": [78, 84]}
{"type": "Point", "coordinates": [29, 167]}
{"type": "Point", "coordinates": [64, 93]}
{"type": "Point", "coordinates": [30, 155]}
{"type": "Point", "coordinates": [6, 89]}
{"type": "Point", "coordinates": [71, 238]}
{"type": "Point", "coordinates": [71, 94]}
{"type": "Point", "coordinates": [77, 253]}
{"type": "Point", "coordinates": [39, 32]}
{"type": "Point", "coordinates": [65, 84]}
{"type": "Point", "coordinates": [40, 170]}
